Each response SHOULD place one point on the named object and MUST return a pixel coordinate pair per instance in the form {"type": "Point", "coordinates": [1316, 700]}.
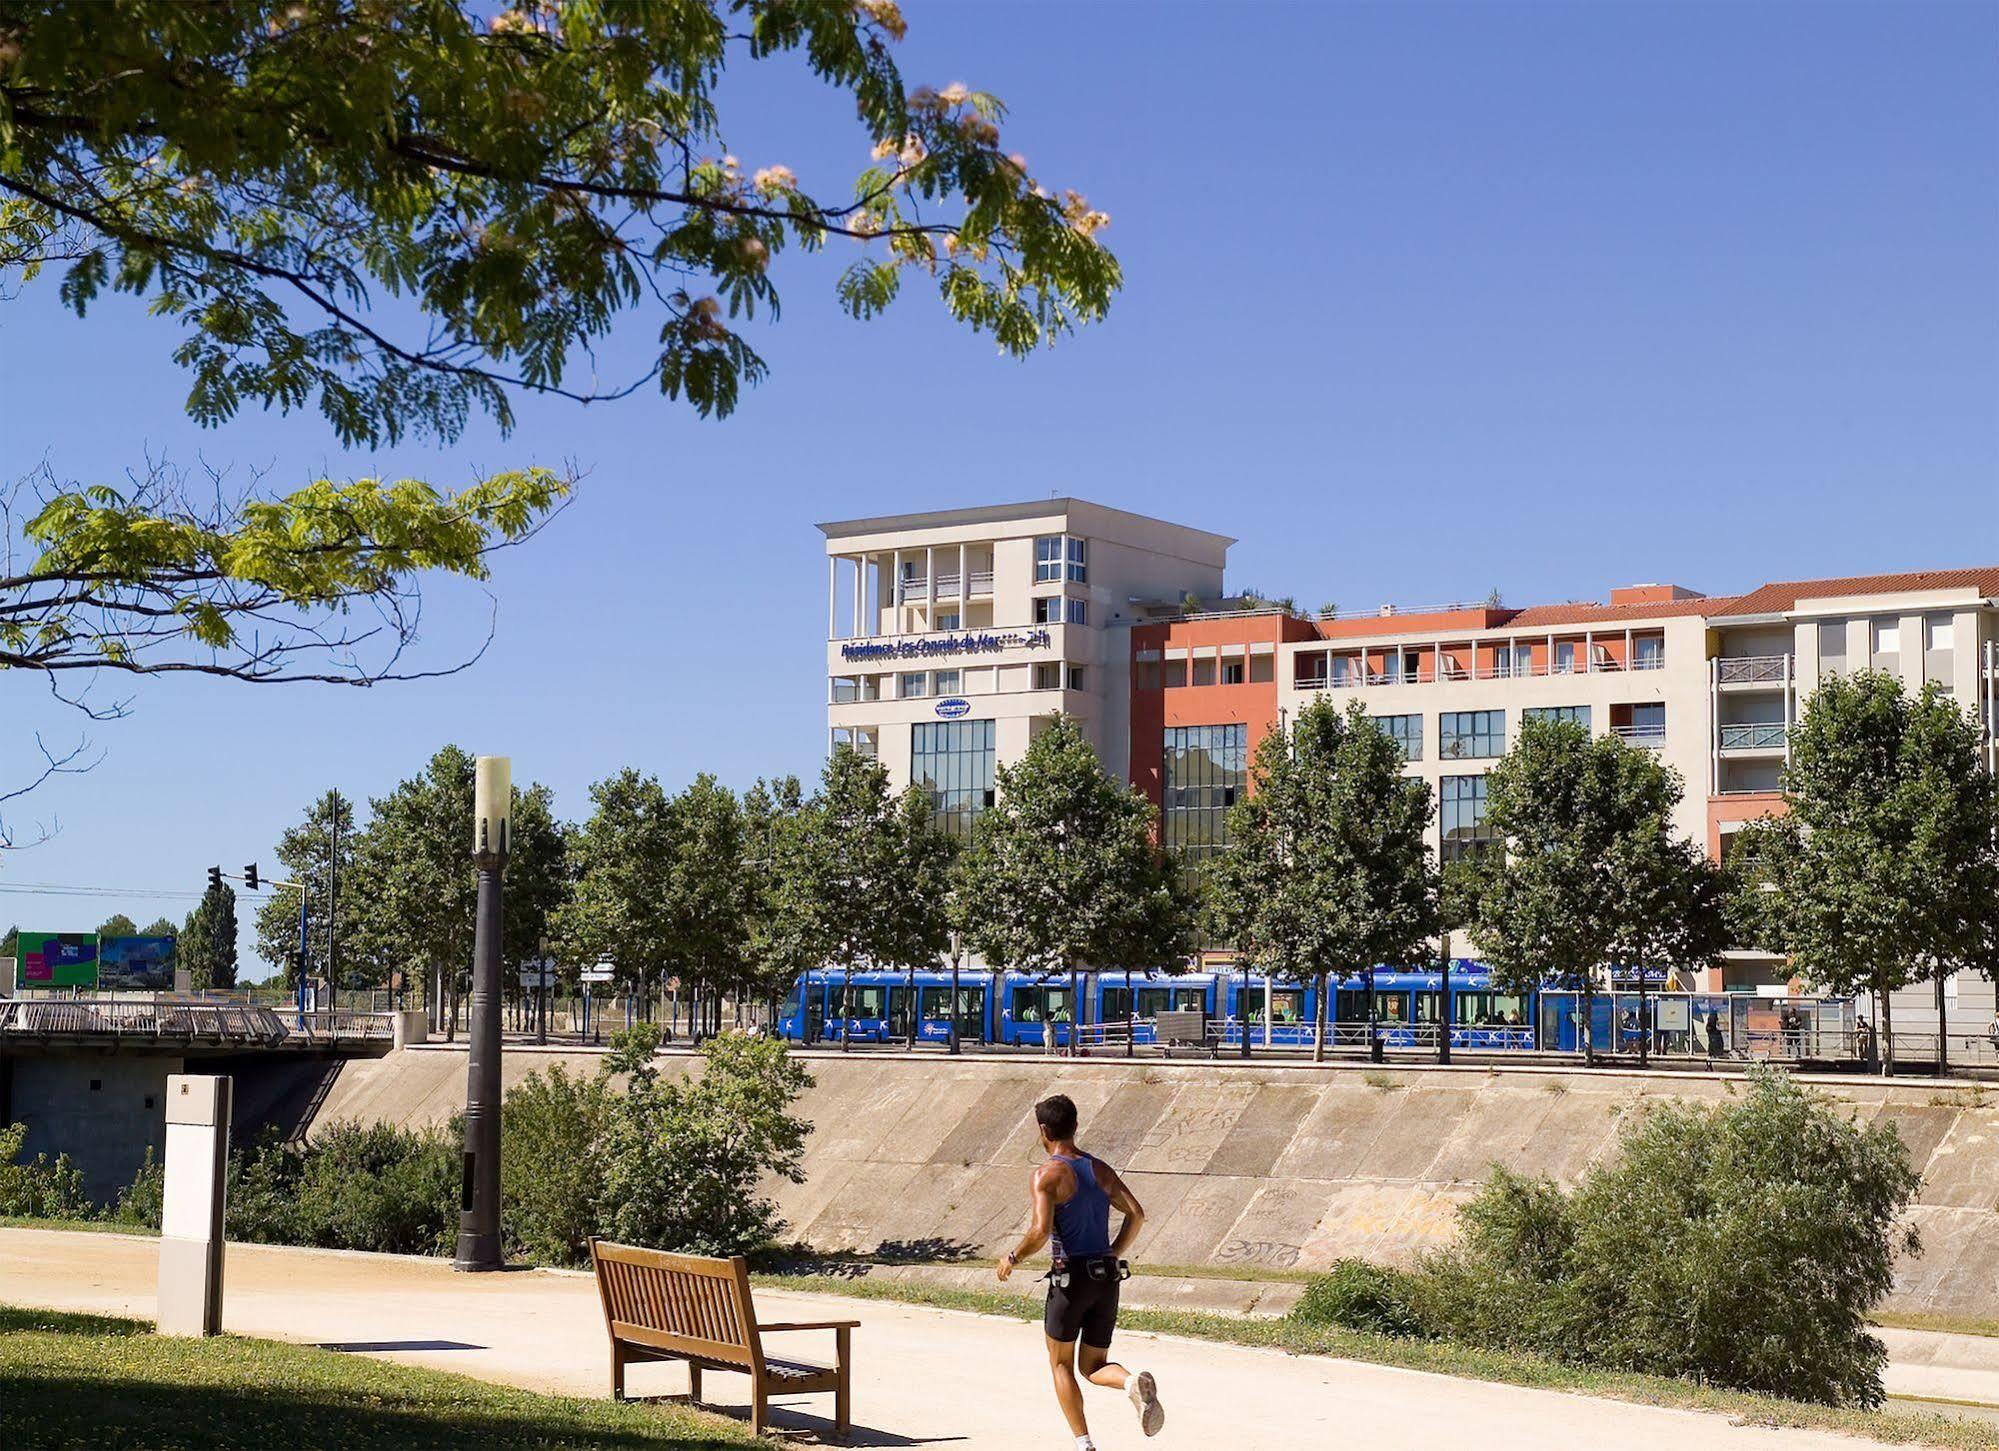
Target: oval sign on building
{"type": "Point", "coordinates": [953, 707]}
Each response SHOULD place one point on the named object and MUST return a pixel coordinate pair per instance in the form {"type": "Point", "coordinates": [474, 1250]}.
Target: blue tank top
{"type": "Point", "coordinates": [1083, 1223]}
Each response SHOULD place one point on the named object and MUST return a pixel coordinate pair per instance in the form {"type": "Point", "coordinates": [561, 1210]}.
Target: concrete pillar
{"type": "Point", "coordinates": [191, 1228]}
{"type": "Point", "coordinates": [832, 596]}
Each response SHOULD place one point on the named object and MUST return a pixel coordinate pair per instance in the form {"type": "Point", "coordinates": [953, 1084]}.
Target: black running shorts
{"type": "Point", "coordinates": [1084, 1306]}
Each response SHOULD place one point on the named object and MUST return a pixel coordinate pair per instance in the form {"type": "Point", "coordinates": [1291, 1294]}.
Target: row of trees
{"type": "Point", "coordinates": [1883, 871]}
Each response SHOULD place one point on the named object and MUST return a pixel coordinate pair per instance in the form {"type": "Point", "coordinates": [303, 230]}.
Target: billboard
{"type": "Point", "coordinates": [135, 964]}
{"type": "Point", "coordinates": [58, 959]}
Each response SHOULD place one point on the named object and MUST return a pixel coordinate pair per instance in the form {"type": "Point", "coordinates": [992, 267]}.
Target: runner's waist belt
{"type": "Point", "coordinates": [1087, 1268]}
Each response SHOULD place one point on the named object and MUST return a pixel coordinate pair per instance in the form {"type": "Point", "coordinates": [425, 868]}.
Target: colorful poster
{"type": "Point", "coordinates": [135, 964]}
{"type": "Point", "coordinates": [58, 959]}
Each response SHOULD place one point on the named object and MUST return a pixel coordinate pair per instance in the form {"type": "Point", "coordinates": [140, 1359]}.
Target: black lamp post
{"type": "Point", "coordinates": [479, 1193]}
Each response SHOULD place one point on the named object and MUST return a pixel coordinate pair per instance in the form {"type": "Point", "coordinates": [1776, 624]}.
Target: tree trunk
{"type": "Point", "coordinates": [1319, 1018]}
{"type": "Point", "coordinates": [1644, 1029]}
{"type": "Point", "coordinates": [1887, 1033]}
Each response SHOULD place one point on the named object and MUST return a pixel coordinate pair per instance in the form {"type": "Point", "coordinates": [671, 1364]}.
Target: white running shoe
{"type": "Point", "coordinates": [1144, 1393]}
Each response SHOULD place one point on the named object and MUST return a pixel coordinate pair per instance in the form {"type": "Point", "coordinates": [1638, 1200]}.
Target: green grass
{"type": "Point", "coordinates": [1934, 1320]}
{"type": "Point", "coordinates": [91, 1381]}
{"type": "Point", "coordinates": [94, 1226]}
{"type": "Point", "coordinates": [1896, 1426]}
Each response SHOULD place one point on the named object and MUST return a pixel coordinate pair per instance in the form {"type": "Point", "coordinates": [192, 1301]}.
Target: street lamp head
{"type": "Point", "coordinates": [492, 806]}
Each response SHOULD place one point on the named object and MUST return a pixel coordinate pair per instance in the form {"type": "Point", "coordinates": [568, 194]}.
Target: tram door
{"type": "Point", "coordinates": [815, 1011]}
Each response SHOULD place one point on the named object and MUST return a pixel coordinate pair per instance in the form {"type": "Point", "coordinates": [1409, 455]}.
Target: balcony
{"type": "Point", "coordinates": [1353, 677]}
{"type": "Point", "coordinates": [1755, 736]}
{"type": "Point", "coordinates": [1645, 737]}
{"type": "Point", "coordinates": [1752, 670]}
{"type": "Point", "coordinates": [915, 588]}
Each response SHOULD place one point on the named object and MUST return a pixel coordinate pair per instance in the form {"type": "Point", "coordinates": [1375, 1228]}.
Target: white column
{"type": "Point", "coordinates": [832, 596]}
{"type": "Point", "coordinates": [895, 590]}
{"type": "Point", "coordinates": [930, 586]}
{"type": "Point", "coordinates": [964, 582]}
{"type": "Point", "coordinates": [861, 594]}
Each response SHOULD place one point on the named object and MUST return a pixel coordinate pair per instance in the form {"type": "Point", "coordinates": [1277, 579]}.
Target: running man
{"type": "Point", "coordinates": [1069, 1198]}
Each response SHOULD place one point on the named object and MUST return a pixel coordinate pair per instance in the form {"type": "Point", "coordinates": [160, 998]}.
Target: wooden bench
{"type": "Point", "coordinates": [660, 1306]}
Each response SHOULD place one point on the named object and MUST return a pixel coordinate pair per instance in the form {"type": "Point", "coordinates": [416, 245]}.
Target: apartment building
{"type": "Point", "coordinates": [953, 636]}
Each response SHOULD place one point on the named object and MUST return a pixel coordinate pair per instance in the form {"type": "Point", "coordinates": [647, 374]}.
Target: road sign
{"type": "Point", "coordinates": [532, 977]}
{"type": "Point", "coordinates": [596, 974]}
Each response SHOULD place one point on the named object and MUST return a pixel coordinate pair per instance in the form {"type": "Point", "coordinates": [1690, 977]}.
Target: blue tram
{"type": "Point", "coordinates": [1025, 1009]}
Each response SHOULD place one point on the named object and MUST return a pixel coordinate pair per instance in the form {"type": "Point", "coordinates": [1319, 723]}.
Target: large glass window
{"type": "Point", "coordinates": [1077, 612]}
{"type": "Point", "coordinates": [1466, 831]}
{"type": "Point", "coordinates": [1577, 713]}
{"type": "Point", "coordinates": [953, 761]}
{"type": "Point", "coordinates": [1406, 731]}
{"type": "Point", "coordinates": [1079, 561]}
{"type": "Point", "coordinates": [1204, 769]}
{"type": "Point", "coordinates": [1471, 734]}
{"type": "Point", "coordinates": [1048, 559]}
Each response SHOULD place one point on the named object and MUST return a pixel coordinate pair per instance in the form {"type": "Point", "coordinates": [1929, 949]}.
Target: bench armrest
{"type": "Point", "coordinates": [813, 1325]}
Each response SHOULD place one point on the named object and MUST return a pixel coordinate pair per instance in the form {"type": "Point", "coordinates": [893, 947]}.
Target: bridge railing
{"type": "Point", "coordinates": [128, 1020]}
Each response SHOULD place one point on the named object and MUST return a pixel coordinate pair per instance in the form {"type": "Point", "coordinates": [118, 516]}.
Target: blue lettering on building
{"type": "Point", "coordinates": [920, 647]}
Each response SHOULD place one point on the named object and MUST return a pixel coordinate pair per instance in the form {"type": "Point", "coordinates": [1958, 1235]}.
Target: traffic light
{"type": "Point", "coordinates": [215, 879]}
{"type": "Point", "coordinates": [250, 877]}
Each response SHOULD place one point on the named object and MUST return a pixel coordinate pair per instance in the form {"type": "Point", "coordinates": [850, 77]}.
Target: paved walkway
{"type": "Point", "coordinates": [924, 1377]}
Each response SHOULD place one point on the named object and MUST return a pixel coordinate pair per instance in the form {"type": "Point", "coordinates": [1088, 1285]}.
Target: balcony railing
{"type": "Point", "coordinates": [1424, 675]}
{"type": "Point", "coordinates": [1756, 736]}
{"type": "Point", "coordinates": [1647, 737]}
{"type": "Point", "coordinates": [916, 587]}
{"type": "Point", "coordinates": [1753, 670]}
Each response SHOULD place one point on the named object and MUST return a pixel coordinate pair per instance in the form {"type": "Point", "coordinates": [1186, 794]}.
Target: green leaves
{"type": "Point", "coordinates": [1063, 874]}
{"type": "Point", "coordinates": [1329, 867]}
{"type": "Point", "coordinates": [163, 579]}
{"type": "Point", "coordinates": [517, 182]}
{"type": "Point", "coordinates": [1883, 869]}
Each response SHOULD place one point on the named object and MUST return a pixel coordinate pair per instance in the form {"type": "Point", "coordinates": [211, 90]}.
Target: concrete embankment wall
{"type": "Point", "coordinates": [1248, 1168]}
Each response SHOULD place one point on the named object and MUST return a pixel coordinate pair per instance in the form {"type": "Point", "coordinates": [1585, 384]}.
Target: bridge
{"type": "Point", "coordinates": [149, 1024]}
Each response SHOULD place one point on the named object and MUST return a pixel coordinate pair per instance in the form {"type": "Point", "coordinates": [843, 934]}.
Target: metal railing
{"type": "Point", "coordinates": [1424, 675]}
{"type": "Point", "coordinates": [152, 1021]}
{"type": "Point", "coordinates": [1754, 736]}
{"type": "Point", "coordinates": [1753, 669]}
{"type": "Point", "coordinates": [1649, 737]}
{"type": "Point", "coordinates": [913, 588]}
{"type": "Point", "coordinates": [340, 1025]}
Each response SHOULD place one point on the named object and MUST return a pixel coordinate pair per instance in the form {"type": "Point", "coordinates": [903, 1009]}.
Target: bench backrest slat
{"type": "Point", "coordinates": [686, 1304]}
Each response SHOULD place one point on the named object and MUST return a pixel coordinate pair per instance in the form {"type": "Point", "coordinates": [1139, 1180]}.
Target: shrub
{"type": "Point", "coordinates": [552, 1165]}
{"type": "Point", "coordinates": [1741, 1243]}
{"type": "Point", "coordinates": [1362, 1296]}
{"type": "Point", "coordinates": [682, 1158]}
{"type": "Point", "coordinates": [373, 1187]}
{"type": "Point", "coordinates": [39, 1188]}
{"type": "Point", "coordinates": [143, 1201]}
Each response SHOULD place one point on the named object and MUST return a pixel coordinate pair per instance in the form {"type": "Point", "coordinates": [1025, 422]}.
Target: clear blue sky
{"type": "Point", "coordinates": [1421, 299]}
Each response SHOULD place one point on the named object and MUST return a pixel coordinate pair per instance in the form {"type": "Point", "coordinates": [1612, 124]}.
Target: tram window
{"type": "Point", "coordinates": [1117, 1002]}
{"type": "Point", "coordinates": [971, 1005]}
{"type": "Point", "coordinates": [1190, 999]}
{"type": "Point", "coordinates": [1391, 1007]}
{"type": "Point", "coordinates": [1352, 1005]}
{"type": "Point", "coordinates": [1041, 1005]}
{"type": "Point", "coordinates": [865, 1002]}
{"type": "Point", "coordinates": [1287, 1005]}
{"type": "Point", "coordinates": [1058, 1004]}
{"type": "Point", "coordinates": [1491, 1009]}
{"type": "Point", "coordinates": [1152, 1001]}
{"type": "Point", "coordinates": [1429, 1007]}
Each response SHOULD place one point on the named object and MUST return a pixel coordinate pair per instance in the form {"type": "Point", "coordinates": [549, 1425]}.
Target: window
{"type": "Point", "coordinates": [1148, 674]}
{"type": "Point", "coordinates": [1232, 672]}
{"type": "Point", "coordinates": [1202, 774]}
{"type": "Point", "coordinates": [1078, 611]}
{"type": "Point", "coordinates": [1471, 734]}
{"type": "Point", "coordinates": [1174, 673]}
{"type": "Point", "coordinates": [1076, 677]}
{"type": "Point", "coordinates": [1041, 1005]}
{"type": "Point", "coordinates": [947, 620]}
{"type": "Point", "coordinates": [1047, 609]}
{"type": "Point", "coordinates": [1577, 713]}
{"type": "Point", "coordinates": [1648, 652]}
{"type": "Point", "coordinates": [846, 689]}
{"type": "Point", "coordinates": [913, 684]}
{"type": "Point", "coordinates": [949, 682]}
{"type": "Point", "coordinates": [1938, 635]}
{"type": "Point", "coordinates": [1406, 731]}
{"type": "Point", "coordinates": [1341, 668]}
{"type": "Point", "coordinates": [1938, 632]}
{"type": "Point", "coordinates": [862, 740]}
{"type": "Point", "coordinates": [1466, 832]}
{"type": "Point", "coordinates": [1079, 561]}
{"type": "Point", "coordinates": [1565, 657]}
{"type": "Point", "coordinates": [1262, 669]}
{"type": "Point", "coordinates": [1048, 675]}
{"type": "Point", "coordinates": [1887, 640]}
{"type": "Point", "coordinates": [1204, 670]}
{"type": "Point", "coordinates": [953, 761]}
{"type": "Point", "coordinates": [1832, 647]}
{"type": "Point", "coordinates": [1048, 559]}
